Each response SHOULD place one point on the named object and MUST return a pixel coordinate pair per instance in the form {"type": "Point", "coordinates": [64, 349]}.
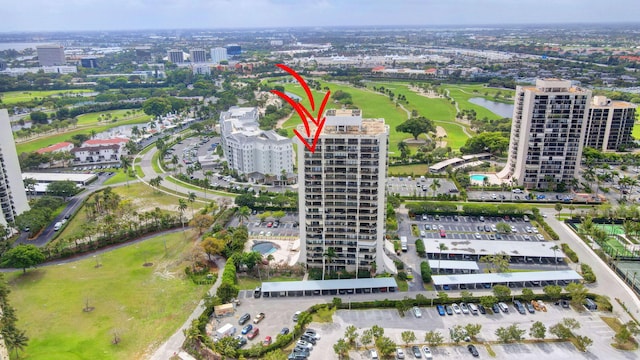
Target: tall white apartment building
{"type": "Point", "coordinates": [218, 54]}
{"type": "Point", "coordinates": [248, 149]}
{"type": "Point", "coordinates": [175, 56]}
{"type": "Point", "coordinates": [50, 55]}
{"type": "Point", "coordinates": [610, 124]}
{"type": "Point", "coordinates": [342, 194]}
{"type": "Point", "coordinates": [13, 197]}
{"type": "Point", "coordinates": [547, 134]}
{"type": "Point", "coordinates": [198, 56]}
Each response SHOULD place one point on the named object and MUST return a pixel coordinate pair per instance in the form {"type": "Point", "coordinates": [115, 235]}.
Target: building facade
{"type": "Point", "coordinates": [175, 56]}
{"type": "Point", "coordinates": [218, 54]}
{"type": "Point", "coordinates": [250, 150]}
{"type": "Point", "coordinates": [547, 134]}
{"type": "Point", "coordinates": [13, 197]}
{"type": "Point", "coordinates": [50, 55]}
{"type": "Point", "coordinates": [198, 56]}
{"type": "Point", "coordinates": [342, 194]}
{"type": "Point", "coordinates": [610, 124]}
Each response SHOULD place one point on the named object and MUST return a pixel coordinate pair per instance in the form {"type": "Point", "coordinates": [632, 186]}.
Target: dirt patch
{"type": "Point", "coordinates": [147, 264]}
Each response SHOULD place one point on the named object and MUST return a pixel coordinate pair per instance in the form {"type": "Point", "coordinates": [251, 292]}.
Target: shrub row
{"type": "Point", "coordinates": [420, 248]}
{"type": "Point", "coordinates": [547, 228]}
{"type": "Point", "coordinates": [570, 253]}
{"type": "Point", "coordinates": [587, 273]}
{"type": "Point", "coordinates": [425, 271]}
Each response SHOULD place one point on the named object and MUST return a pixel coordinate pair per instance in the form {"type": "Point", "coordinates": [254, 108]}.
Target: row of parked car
{"type": "Point", "coordinates": [304, 345]}
{"type": "Point", "coordinates": [475, 309]}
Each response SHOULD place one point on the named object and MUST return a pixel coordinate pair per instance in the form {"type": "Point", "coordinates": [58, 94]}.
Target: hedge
{"type": "Point", "coordinates": [570, 253]}
{"type": "Point", "coordinates": [587, 273]}
{"type": "Point", "coordinates": [425, 271]}
{"type": "Point", "coordinates": [420, 248]}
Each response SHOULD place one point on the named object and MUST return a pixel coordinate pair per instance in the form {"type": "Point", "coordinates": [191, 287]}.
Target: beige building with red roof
{"type": "Point", "coordinates": [59, 147]}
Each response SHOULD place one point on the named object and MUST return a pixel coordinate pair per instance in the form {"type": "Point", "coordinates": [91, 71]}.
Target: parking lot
{"type": "Point", "coordinates": [476, 228]}
{"type": "Point", "coordinates": [285, 227]}
{"type": "Point", "coordinates": [408, 186]}
{"type": "Point", "coordinates": [279, 312]}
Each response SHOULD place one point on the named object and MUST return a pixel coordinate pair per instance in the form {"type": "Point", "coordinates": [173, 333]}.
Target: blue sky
{"type": "Point", "coordinates": [48, 15]}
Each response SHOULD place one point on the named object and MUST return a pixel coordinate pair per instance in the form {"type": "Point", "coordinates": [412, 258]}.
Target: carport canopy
{"type": "Point", "coordinates": [312, 285]}
{"type": "Point", "coordinates": [503, 278]}
{"type": "Point", "coordinates": [491, 247]}
{"type": "Point", "coordinates": [454, 265]}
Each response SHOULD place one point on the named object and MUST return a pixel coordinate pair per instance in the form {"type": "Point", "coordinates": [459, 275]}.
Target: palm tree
{"type": "Point", "coordinates": [435, 185]}
{"type": "Point", "coordinates": [125, 163]}
{"type": "Point", "coordinates": [404, 149]}
{"type": "Point", "coordinates": [442, 247]}
{"type": "Point", "coordinates": [174, 161]}
{"type": "Point", "coordinates": [182, 206]}
{"type": "Point", "coordinates": [192, 198]}
{"type": "Point", "coordinates": [135, 131]}
{"type": "Point", "coordinates": [555, 248]}
{"type": "Point", "coordinates": [243, 214]}
{"type": "Point", "coordinates": [329, 254]}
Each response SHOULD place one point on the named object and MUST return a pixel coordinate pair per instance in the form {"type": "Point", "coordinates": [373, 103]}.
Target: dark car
{"type": "Point", "coordinates": [530, 308]}
{"type": "Point", "coordinates": [564, 303]}
{"type": "Point", "coordinates": [309, 339]}
{"type": "Point", "coordinates": [242, 341]}
{"type": "Point", "coordinates": [284, 331]}
{"type": "Point", "coordinates": [495, 308]}
{"type": "Point", "coordinates": [416, 352]}
{"type": "Point", "coordinates": [246, 329]}
{"type": "Point", "coordinates": [244, 318]}
{"type": "Point", "coordinates": [448, 309]}
{"type": "Point", "coordinates": [482, 309]}
{"type": "Point", "coordinates": [472, 349]}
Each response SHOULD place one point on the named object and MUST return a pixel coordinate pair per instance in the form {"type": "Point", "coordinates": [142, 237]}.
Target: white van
{"type": "Point", "coordinates": [517, 191]}
{"type": "Point", "coordinates": [57, 226]}
{"type": "Point", "coordinates": [473, 308]}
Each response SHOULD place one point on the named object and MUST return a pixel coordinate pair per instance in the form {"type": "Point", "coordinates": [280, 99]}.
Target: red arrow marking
{"type": "Point", "coordinates": [304, 114]}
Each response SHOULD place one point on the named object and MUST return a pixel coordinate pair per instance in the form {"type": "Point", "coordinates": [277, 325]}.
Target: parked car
{"type": "Point", "coordinates": [399, 353]}
{"type": "Point", "coordinates": [482, 309]}
{"type": "Point", "coordinates": [495, 308]}
{"type": "Point", "coordinates": [267, 341]}
{"type": "Point", "coordinates": [441, 311]}
{"type": "Point", "coordinates": [456, 308]}
{"type": "Point", "coordinates": [244, 318]}
{"type": "Point", "coordinates": [374, 354]}
{"type": "Point", "coordinates": [416, 352]}
{"type": "Point", "coordinates": [303, 343]}
{"type": "Point", "coordinates": [530, 308]}
{"type": "Point", "coordinates": [448, 309]}
{"type": "Point", "coordinates": [308, 338]}
{"type": "Point", "coordinates": [416, 312]}
{"type": "Point", "coordinates": [312, 333]}
{"type": "Point", "coordinates": [464, 308]}
{"type": "Point", "coordinates": [503, 307]}
{"type": "Point", "coordinates": [258, 318]}
{"type": "Point", "coordinates": [472, 349]}
{"type": "Point", "coordinates": [253, 333]}
{"type": "Point", "coordinates": [296, 315]}
{"type": "Point", "coordinates": [284, 331]}
{"type": "Point", "coordinates": [242, 341]}
{"type": "Point", "coordinates": [427, 352]}
{"type": "Point", "coordinates": [246, 329]}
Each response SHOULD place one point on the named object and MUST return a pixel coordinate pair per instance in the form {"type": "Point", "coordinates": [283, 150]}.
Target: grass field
{"type": "Point", "coordinates": [416, 169]}
{"type": "Point", "coordinates": [144, 305]}
{"type": "Point", "coordinates": [35, 144]}
{"type": "Point", "coordinates": [92, 118]}
{"type": "Point", "coordinates": [14, 97]}
{"type": "Point", "coordinates": [462, 94]}
{"type": "Point", "coordinates": [636, 130]}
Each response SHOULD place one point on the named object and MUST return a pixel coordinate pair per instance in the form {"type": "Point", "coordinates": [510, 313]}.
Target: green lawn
{"type": "Point", "coordinates": [118, 178]}
{"type": "Point", "coordinates": [35, 144]}
{"type": "Point", "coordinates": [250, 282]}
{"type": "Point", "coordinates": [92, 118]}
{"type": "Point", "coordinates": [14, 97]}
{"type": "Point", "coordinates": [636, 130]}
{"type": "Point", "coordinates": [413, 169]}
{"type": "Point", "coordinates": [144, 305]}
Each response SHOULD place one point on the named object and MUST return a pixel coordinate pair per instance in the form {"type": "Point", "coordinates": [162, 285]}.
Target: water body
{"type": "Point", "coordinates": [500, 109]}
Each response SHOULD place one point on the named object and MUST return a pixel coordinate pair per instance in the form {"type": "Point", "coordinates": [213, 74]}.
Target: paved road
{"type": "Point", "coordinates": [173, 345]}
{"type": "Point", "coordinates": [608, 283]}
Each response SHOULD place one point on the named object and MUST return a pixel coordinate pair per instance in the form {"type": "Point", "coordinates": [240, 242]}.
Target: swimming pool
{"type": "Point", "coordinates": [478, 177]}
{"type": "Point", "coordinates": [265, 248]}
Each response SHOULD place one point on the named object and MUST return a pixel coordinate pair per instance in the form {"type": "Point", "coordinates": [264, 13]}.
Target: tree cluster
{"type": "Point", "coordinates": [14, 338]}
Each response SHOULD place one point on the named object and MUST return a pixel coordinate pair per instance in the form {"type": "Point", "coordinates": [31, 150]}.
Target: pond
{"type": "Point", "coordinates": [500, 109]}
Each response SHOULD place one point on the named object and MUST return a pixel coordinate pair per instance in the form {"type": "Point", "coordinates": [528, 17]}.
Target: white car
{"type": "Point", "coordinates": [416, 312]}
{"type": "Point", "coordinates": [427, 352]}
{"type": "Point", "coordinates": [456, 308]}
{"type": "Point", "coordinates": [478, 236]}
{"type": "Point", "coordinates": [374, 354]}
{"type": "Point", "coordinates": [513, 229]}
{"type": "Point", "coordinates": [303, 343]}
{"type": "Point", "coordinates": [464, 308]}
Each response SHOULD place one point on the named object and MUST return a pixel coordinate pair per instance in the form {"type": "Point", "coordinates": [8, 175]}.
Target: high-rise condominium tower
{"type": "Point", "coordinates": [547, 134]}
{"type": "Point", "coordinates": [610, 124]}
{"type": "Point", "coordinates": [13, 198]}
{"type": "Point", "coordinates": [342, 194]}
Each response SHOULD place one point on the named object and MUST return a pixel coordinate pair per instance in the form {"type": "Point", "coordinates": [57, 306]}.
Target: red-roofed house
{"type": "Point", "coordinates": [378, 68]}
{"type": "Point", "coordinates": [59, 147]}
{"type": "Point", "coordinates": [431, 71]}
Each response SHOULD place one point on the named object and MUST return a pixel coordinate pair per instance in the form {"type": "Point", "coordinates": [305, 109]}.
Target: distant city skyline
{"type": "Point", "coordinates": [75, 15]}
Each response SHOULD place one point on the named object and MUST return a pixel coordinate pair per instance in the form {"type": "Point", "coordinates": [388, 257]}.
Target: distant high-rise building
{"type": "Point", "coordinates": [234, 49]}
{"type": "Point", "coordinates": [547, 134]}
{"type": "Point", "coordinates": [175, 56]}
{"type": "Point", "coordinates": [13, 198]}
{"type": "Point", "coordinates": [342, 194]}
{"type": "Point", "coordinates": [3, 65]}
{"type": "Point", "coordinates": [143, 53]}
{"type": "Point", "coordinates": [198, 56]}
{"type": "Point", "coordinates": [89, 62]}
{"type": "Point", "coordinates": [610, 124]}
{"type": "Point", "coordinates": [218, 54]}
{"type": "Point", "coordinates": [50, 55]}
